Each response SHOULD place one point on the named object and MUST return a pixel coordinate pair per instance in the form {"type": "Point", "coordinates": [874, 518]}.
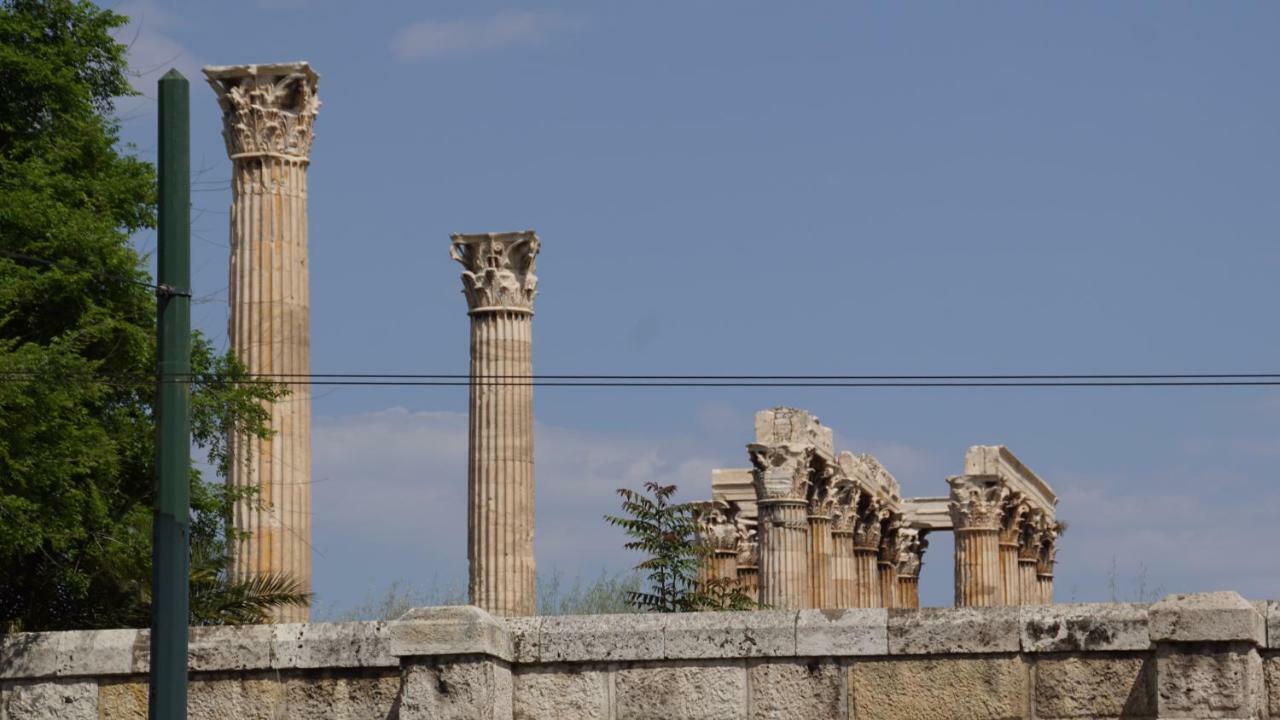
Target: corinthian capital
{"type": "Point", "coordinates": [267, 109]}
{"type": "Point", "coordinates": [717, 524]}
{"type": "Point", "coordinates": [869, 525]}
{"type": "Point", "coordinates": [910, 551]}
{"type": "Point", "coordinates": [498, 269]}
{"type": "Point", "coordinates": [781, 472]}
{"type": "Point", "coordinates": [977, 502]}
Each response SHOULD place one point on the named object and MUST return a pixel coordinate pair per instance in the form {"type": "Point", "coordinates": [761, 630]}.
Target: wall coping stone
{"type": "Point", "coordinates": [852, 632]}
{"type": "Point", "coordinates": [449, 630]}
{"type": "Point", "coordinates": [1084, 627]}
{"type": "Point", "coordinates": [1207, 617]}
{"type": "Point", "coordinates": [954, 630]}
{"type": "Point", "coordinates": [1273, 624]}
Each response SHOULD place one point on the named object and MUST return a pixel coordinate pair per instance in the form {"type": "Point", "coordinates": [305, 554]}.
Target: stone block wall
{"type": "Point", "coordinates": [1196, 656]}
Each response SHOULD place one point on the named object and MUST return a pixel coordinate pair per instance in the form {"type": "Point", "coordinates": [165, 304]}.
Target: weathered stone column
{"type": "Point", "coordinates": [1012, 517]}
{"type": "Point", "coordinates": [821, 590]}
{"type": "Point", "coordinates": [866, 552]}
{"type": "Point", "coordinates": [781, 478]}
{"type": "Point", "coordinates": [843, 571]}
{"type": "Point", "coordinates": [268, 112]}
{"type": "Point", "coordinates": [718, 532]}
{"type": "Point", "coordinates": [1044, 566]}
{"type": "Point", "coordinates": [887, 563]}
{"type": "Point", "coordinates": [1028, 560]}
{"type": "Point", "coordinates": [911, 547]}
{"type": "Point", "coordinates": [499, 283]}
{"type": "Point", "coordinates": [975, 506]}
{"type": "Point", "coordinates": [749, 566]}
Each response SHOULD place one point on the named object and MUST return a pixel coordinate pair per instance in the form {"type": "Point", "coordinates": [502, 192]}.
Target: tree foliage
{"type": "Point", "coordinates": [666, 533]}
{"type": "Point", "coordinates": [77, 349]}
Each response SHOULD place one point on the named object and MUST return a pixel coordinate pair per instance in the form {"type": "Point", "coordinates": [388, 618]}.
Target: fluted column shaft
{"type": "Point", "coordinates": [821, 591]}
{"type": "Point", "coordinates": [499, 284]}
{"type": "Point", "coordinates": [843, 572]}
{"type": "Point", "coordinates": [784, 562]}
{"type": "Point", "coordinates": [724, 565]}
{"type": "Point", "coordinates": [749, 581]}
{"type": "Point", "coordinates": [1044, 584]}
{"type": "Point", "coordinates": [269, 312]}
{"type": "Point", "coordinates": [1010, 581]}
{"type": "Point", "coordinates": [1028, 585]}
{"type": "Point", "coordinates": [908, 592]}
{"type": "Point", "coordinates": [977, 567]}
{"type": "Point", "coordinates": [888, 577]}
{"type": "Point", "coordinates": [867, 577]}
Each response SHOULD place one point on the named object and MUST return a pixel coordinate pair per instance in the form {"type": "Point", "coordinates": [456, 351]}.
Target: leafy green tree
{"type": "Point", "coordinates": [666, 533]}
{"type": "Point", "coordinates": [77, 350]}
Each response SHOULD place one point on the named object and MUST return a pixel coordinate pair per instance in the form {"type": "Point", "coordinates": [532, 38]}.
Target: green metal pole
{"type": "Point", "coordinates": [169, 550]}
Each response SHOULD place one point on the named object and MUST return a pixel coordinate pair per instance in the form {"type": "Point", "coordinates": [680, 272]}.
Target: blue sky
{"type": "Point", "coordinates": [755, 188]}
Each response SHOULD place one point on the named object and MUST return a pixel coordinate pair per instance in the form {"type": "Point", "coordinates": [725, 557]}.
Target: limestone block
{"type": "Point", "coordinates": [953, 630]}
{"type": "Point", "coordinates": [697, 690]}
{"type": "Point", "coordinates": [858, 631]}
{"type": "Point", "coordinates": [50, 700]}
{"type": "Point", "coordinates": [579, 638]}
{"type": "Point", "coordinates": [561, 692]}
{"type": "Point", "coordinates": [1273, 624]}
{"type": "Point", "coordinates": [74, 653]}
{"type": "Point", "coordinates": [790, 689]}
{"type": "Point", "coordinates": [1206, 617]}
{"type": "Point", "coordinates": [1073, 628]}
{"type": "Point", "coordinates": [730, 635]}
{"type": "Point", "coordinates": [938, 689]}
{"type": "Point", "coordinates": [457, 630]}
{"type": "Point", "coordinates": [242, 647]}
{"type": "Point", "coordinates": [525, 640]}
{"type": "Point", "coordinates": [1095, 687]}
{"type": "Point", "coordinates": [343, 645]}
{"type": "Point", "coordinates": [470, 688]}
{"type": "Point", "coordinates": [1271, 673]}
{"type": "Point", "coordinates": [122, 699]}
{"type": "Point", "coordinates": [362, 695]}
{"type": "Point", "coordinates": [1212, 680]}
{"type": "Point", "coordinates": [245, 696]}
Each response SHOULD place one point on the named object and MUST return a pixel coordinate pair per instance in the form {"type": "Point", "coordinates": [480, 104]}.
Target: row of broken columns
{"type": "Point", "coordinates": [833, 531]}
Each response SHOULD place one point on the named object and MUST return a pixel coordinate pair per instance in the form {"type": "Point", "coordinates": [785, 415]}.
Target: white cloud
{"type": "Point", "coordinates": [510, 28]}
{"type": "Point", "coordinates": [152, 48]}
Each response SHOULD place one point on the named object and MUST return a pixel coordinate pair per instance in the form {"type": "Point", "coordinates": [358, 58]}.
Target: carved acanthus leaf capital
{"type": "Point", "coordinates": [498, 269]}
{"type": "Point", "coordinates": [911, 547]}
{"type": "Point", "coordinates": [781, 472]}
{"type": "Point", "coordinates": [1012, 518]}
{"type": "Point", "coordinates": [267, 109]}
{"type": "Point", "coordinates": [977, 502]}
{"type": "Point", "coordinates": [717, 525]}
{"type": "Point", "coordinates": [869, 526]}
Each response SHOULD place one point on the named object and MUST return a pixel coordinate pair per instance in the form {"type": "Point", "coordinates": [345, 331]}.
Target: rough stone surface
{"type": "Point", "coordinates": [561, 693]}
{"type": "Point", "coordinates": [454, 630]}
{"type": "Point", "coordinates": [938, 689]}
{"type": "Point", "coordinates": [252, 696]}
{"type": "Point", "coordinates": [1271, 669]}
{"type": "Point", "coordinates": [244, 647]}
{"type": "Point", "coordinates": [1084, 628]}
{"type": "Point", "coordinates": [730, 635]}
{"type": "Point", "coordinates": [1211, 680]}
{"type": "Point", "coordinates": [577, 638]}
{"type": "Point", "coordinates": [1207, 617]}
{"type": "Point", "coordinates": [475, 688]}
{"type": "Point", "coordinates": [861, 631]}
{"type": "Point", "coordinates": [122, 700]}
{"type": "Point", "coordinates": [711, 690]}
{"type": "Point", "coordinates": [51, 700]}
{"type": "Point", "coordinates": [812, 689]}
{"type": "Point", "coordinates": [78, 652]}
{"type": "Point", "coordinates": [953, 630]}
{"type": "Point", "coordinates": [1095, 687]}
{"type": "Point", "coordinates": [525, 638]}
{"type": "Point", "coordinates": [317, 645]}
{"type": "Point", "coordinates": [1273, 624]}
{"type": "Point", "coordinates": [368, 695]}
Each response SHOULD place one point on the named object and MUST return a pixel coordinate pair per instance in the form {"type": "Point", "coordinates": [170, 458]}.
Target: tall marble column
{"type": "Point", "coordinates": [866, 553]}
{"type": "Point", "coordinates": [499, 284]}
{"type": "Point", "coordinates": [268, 115]}
{"type": "Point", "coordinates": [1011, 519]}
{"type": "Point", "coordinates": [781, 476]}
{"type": "Point", "coordinates": [911, 546]}
{"type": "Point", "coordinates": [976, 503]}
{"type": "Point", "coordinates": [843, 572]}
{"type": "Point", "coordinates": [821, 591]}
{"type": "Point", "coordinates": [749, 565]}
{"type": "Point", "coordinates": [1029, 560]}
{"type": "Point", "coordinates": [887, 563]}
{"type": "Point", "coordinates": [1047, 559]}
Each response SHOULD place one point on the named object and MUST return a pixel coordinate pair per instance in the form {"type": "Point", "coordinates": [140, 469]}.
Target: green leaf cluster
{"type": "Point", "coordinates": [666, 533]}
{"type": "Point", "coordinates": [77, 350]}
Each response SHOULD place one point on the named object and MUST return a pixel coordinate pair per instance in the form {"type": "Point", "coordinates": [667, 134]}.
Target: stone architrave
{"type": "Point", "coordinates": [912, 543]}
{"type": "Point", "coordinates": [843, 571]}
{"type": "Point", "coordinates": [1012, 519]}
{"type": "Point", "coordinates": [268, 118]}
{"type": "Point", "coordinates": [782, 473]}
{"type": "Point", "coordinates": [819, 508]}
{"type": "Point", "coordinates": [976, 505]}
{"type": "Point", "coordinates": [499, 284]}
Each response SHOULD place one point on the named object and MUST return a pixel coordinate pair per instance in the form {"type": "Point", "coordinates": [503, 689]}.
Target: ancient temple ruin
{"type": "Point", "coordinates": [807, 527]}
